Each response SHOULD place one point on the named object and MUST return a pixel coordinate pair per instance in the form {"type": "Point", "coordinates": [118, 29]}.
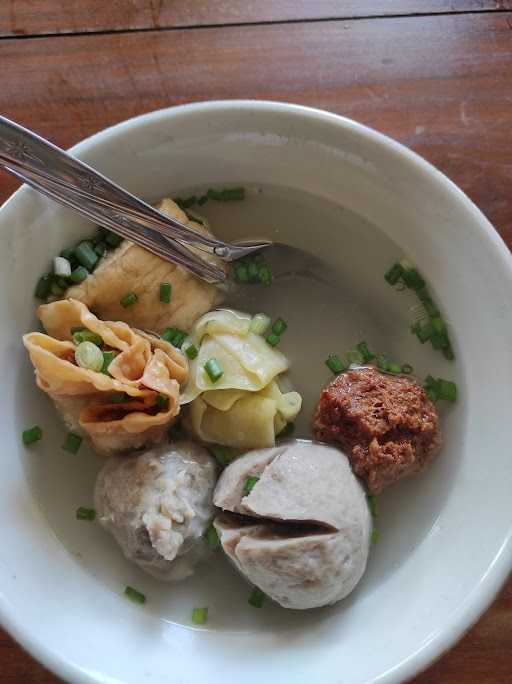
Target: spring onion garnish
{"type": "Point", "coordinates": [112, 239]}
{"type": "Point", "coordinates": [335, 364]}
{"type": "Point", "coordinates": [88, 355]}
{"type": "Point", "coordinates": [394, 367]}
{"type": "Point", "coordinates": [61, 266]}
{"type": "Point", "coordinates": [165, 293]}
{"type": "Point", "coordinates": [279, 326]}
{"type": "Point", "coordinates": [56, 289]}
{"type": "Point", "coordinates": [202, 200]}
{"type": "Point", "coordinates": [134, 595]}
{"type": "Point", "coordinates": [257, 598]}
{"type": "Point", "coordinates": [108, 357]}
{"type": "Point", "coordinates": [407, 369]}
{"type": "Point", "coordinates": [72, 443]}
{"type": "Point", "coordinates": [128, 300]}
{"type": "Point", "coordinates": [250, 482]}
{"type": "Point", "coordinates": [213, 370]}
{"type": "Point", "coordinates": [85, 335]}
{"type": "Point", "coordinates": [433, 327]}
{"type": "Point", "coordinates": [175, 336]}
{"type": "Point", "coordinates": [86, 256]}
{"type": "Point", "coordinates": [382, 362]}
{"type": "Point", "coordinates": [265, 275]}
{"type": "Point", "coordinates": [253, 272]}
{"type": "Point", "coordinates": [355, 357]}
{"type": "Point", "coordinates": [259, 324]}
{"type": "Point", "coordinates": [85, 513]}
{"type": "Point", "coordinates": [223, 454]}
{"type": "Point", "coordinates": [287, 431]}
{"type": "Point", "coordinates": [79, 274]}
{"type": "Point", "coordinates": [366, 354]}
{"type": "Point", "coordinates": [191, 351]}
{"type": "Point", "coordinates": [226, 195]}
{"type": "Point", "coordinates": [187, 202]}
{"type": "Point", "coordinates": [44, 286]}
{"type": "Point", "coordinates": [69, 254]}
{"type": "Point", "coordinates": [199, 616]}
{"type": "Point", "coordinates": [241, 273]}
{"type": "Point", "coordinates": [31, 435]}
{"type": "Point", "coordinates": [375, 536]}
{"type": "Point", "coordinates": [162, 401]}
{"type": "Point", "coordinates": [372, 504]}
{"type": "Point", "coordinates": [101, 249]}
{"type": "Point", "coordinates": [272, 339]}
{"type": "Point", "coordinates": [212, 538]}
{"type": "Point", "coordinates": [439, 388]}
{"type": "Point", "coordinates": [252, 269]}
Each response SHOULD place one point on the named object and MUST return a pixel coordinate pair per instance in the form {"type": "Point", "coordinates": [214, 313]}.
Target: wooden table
{"type": "Point", "coordinates": [434, 74]}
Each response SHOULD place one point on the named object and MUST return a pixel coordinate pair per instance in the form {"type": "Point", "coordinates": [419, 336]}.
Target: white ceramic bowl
{"type": "Point", "coordinates": [445, 545]}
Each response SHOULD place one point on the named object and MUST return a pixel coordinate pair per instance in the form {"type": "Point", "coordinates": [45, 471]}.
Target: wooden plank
{"type": "Point", "coordinates": [43, 17]}
{"type": "Point", "coordinates": [442, 85]}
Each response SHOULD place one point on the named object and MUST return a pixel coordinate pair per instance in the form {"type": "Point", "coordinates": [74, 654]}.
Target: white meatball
{"type": "Point", "coordinates": [158, 505]}
{"type": "Point", "coordinates": [307, 540]}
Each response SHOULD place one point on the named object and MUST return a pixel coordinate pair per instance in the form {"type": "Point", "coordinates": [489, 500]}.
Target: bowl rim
{"type": "Point", "coordinates": [499, 567]}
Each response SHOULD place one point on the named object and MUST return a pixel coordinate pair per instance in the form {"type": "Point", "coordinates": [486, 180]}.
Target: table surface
{"type": "Point", "coordinates": [434, 74]}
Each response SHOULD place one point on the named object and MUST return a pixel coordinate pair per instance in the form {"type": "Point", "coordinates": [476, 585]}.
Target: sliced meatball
{"type": "Point", "coordinates": [386, 424]}
{"type": "Point", "coordinates": [302, 533]}
{"type": "Point", "coordinates": [157, 505]}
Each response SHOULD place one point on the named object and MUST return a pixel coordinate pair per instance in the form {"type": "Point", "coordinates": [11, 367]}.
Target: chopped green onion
{"type": "Point", "coordinates": [85, 335]}
{"type": "Point", "coordinates": [61, 266]}
{"type": "Point", "coordinates": [412, 279]}
{"type": "Point", "coordinates": [407, 369]}
{"type": "Point", "coordinates": [165, 293]}
{"type": "Point", "coordinates": [253, 272]}
{"type": "Point", "coordinates": [86, 256]}
{"type": "Point", "coordinates": [134, 595]}
{"type": "Point", "coordinates": [335, 364]}
{"type": "Point", "coordinates": [355, 356]}
{"type": "Point", "coordinates": [100, 249]}
{"type": "Point", "coordinates": [448, 352]}
{"type": "Point", "coordinates": [68, 253]}
{"type": "Point", "coordinates": [56, 289]}
{"type": "Point", "coordinates": [394, 274]}
{"type": "Point", "coordinates": [79, 274]}
{"type": "Point", "coordinates": [85, 513]}
{"type": "Point", "coordinates": [272, 339]}
{"type": "Point", "coordinates": [31, 435]}
{"type": "Point", "coordinates": [44, 286]}
{"type": "Point", "coordinates": [257, 598]}
{"type": "Point", "coordinates": [62, 282]}
{"type": "Point", "coordinates": [431, 393]}
{"type": "Point", "coordinates": [382, 362]}
{"type": "Point", "coordinates": [118, 398]}
{"type": "Point", "coordinates": [223, 454]}
{"type": "Point", "coordinates": [423, 332]}
{"type": "Point", "coordinates": [175, 336]}
{"type": "Point", "coordinates": [108, 357]}
{"type": "Point", "coordinates": [372, 504]}
{"type": "Point", "coordinates": [128, 300]}
{"type": "Point", "coordinates": [199, 616]}
{"type": "Point", "coordinates": [438, 324]}
{"type": "Point", "coordinates": [211, 537]}
{"type": "Point", "coordinates": [447, 390]}
{"type": "Point", "coordinates": [375, 536]}
{"type": "Point", "coordinates": [260, 324]}
{"type": "Point", "coordinates": [72, 443]}
{"type": "Point", "coordinates": [227, 195]}
{"type": "Point", "coordinates": [240, 273]}
{"type": "Point", "coordinates": [112, 239]}
{"type": "Point", "coordinates": [162, 402]}
{"type": "Point", "coordinates": [213, 370]}
{"type": "Point", "coordinates": [279, 327]}
{"type": "Point", "coordinates": [191, 351]}
{"type": "Point", "coordinates": [394, 368]}
{"type": "Point", "coordinates": [265, 275]}
{"type": "Point", "coordinates": [88, 355]}
{"type": "Point", "coordinates": [287, 431]}
{"type": "Point", "coordinates": [366, 354]}
{"type": "Point", "coordinates": [187, 202]}
{"type": "Point", "coordinates": [250, 482]}
{"type": "Point", "coordinates": [202, 200]}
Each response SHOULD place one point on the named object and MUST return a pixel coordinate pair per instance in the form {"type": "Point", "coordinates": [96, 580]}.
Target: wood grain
{"type": "Point", "coordinates": [39, 17]}
{"type": "Point", "coordinates": [440, 84]}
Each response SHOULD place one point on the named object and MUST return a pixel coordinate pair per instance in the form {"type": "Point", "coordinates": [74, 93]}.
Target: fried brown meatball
{"type": "Point", "coordinates": [386, 424]}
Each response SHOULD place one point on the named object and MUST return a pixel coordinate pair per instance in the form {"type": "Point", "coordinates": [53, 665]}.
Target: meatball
{"type": "Point", "coordinates": [157, 505]}
{"type": "Point", "coordinates": [305, 532]}
{"type": "Point", "coordinates": [386, 424]}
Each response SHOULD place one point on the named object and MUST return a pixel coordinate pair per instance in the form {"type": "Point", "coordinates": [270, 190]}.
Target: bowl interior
{"type": "Point", "coordinates": [358, 202]}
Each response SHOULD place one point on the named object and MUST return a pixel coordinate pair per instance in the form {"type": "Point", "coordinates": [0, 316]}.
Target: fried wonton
{"type": "Point", "coordinates": [130, 268]}
{"type": "Point", "coordinates": [128, 406]}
